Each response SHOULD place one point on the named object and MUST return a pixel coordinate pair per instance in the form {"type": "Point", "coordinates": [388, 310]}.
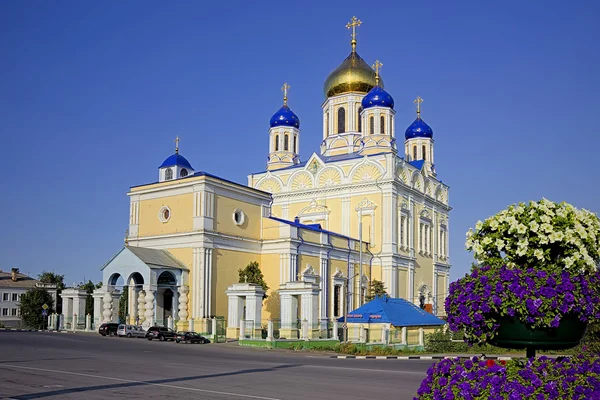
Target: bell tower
{"type": "Point", "coordinates": [284, 136]}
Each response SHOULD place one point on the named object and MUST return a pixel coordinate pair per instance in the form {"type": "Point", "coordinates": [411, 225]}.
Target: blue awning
{"type": "Point", "coordinates": [386, 310]}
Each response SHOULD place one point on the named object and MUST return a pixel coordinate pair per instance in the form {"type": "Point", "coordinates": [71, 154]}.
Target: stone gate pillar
{"type": "Point", "coordinates": [309, 294]}
{"type": "Point", "coordinates": [250, 295]}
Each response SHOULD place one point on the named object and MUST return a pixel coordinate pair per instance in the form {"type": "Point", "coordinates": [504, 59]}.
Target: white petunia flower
{"type": "Point", "coordinates": [539, 254]}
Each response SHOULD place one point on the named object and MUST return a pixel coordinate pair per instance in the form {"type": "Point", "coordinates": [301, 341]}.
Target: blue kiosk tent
{"type": "Point", "coordinates": [390, 320]}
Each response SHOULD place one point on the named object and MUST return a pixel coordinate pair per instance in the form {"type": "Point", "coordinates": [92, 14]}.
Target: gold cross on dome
{"type": "Point", "coordinates": [354, 22]}
{"type": "Point", "coordinates": [177, 144]}
{"type": "Point", "coordinates": [285, 93]}
{"type": "Point", "coordinates": [418, 102]}
{"type": "Point", "coordinates": [376, 67]}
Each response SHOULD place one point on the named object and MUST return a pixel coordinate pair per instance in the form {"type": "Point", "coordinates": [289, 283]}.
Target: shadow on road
{"type": "Point", "coordinates": [142, 383]}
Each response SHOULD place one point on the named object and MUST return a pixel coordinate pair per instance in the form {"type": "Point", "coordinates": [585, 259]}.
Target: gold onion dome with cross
{"type": "Point", "coordinates": [353, 74]}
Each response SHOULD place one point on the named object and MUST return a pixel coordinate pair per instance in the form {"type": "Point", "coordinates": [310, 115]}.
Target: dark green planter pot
{"type": "Point", "coordinates": [513, 334]}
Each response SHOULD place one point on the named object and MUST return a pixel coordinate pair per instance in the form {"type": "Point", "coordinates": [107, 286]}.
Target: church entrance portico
{"type": "Point", "coordinates": [151, 288]}
{"type": "Point", "coordinates": [299, 302]}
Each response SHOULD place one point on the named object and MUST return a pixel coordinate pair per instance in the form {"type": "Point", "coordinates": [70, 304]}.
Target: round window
{"type": "Point", "coordinates": [164, 214]}
{"type": "Point", "coordinates": [239, 217]}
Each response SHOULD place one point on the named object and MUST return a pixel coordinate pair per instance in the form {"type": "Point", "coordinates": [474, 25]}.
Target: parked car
{"type": "Point", "coordinates": [161, 333]}
{"type": "Point", "coordinates": [131, 331]}
{"type": "Point", "coordinates": [190, 337]}
{"type": "Point", "coordinates": [108, 328]}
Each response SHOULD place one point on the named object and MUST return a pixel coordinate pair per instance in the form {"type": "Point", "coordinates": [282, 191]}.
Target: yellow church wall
{"type": "Point", "coordinates": [377, 273]}
{"type": "Point", "coordinates": [270, 229]}
{"type": "Point", "coordinates": [402, 279]}
{"type": "Point", "coordinates": [367, 221]}
{"type": "Point", "coordinates": [194, 179]}
{"type": "Point", "coordinates": [423, 271]}
{"type": "Point", "coordinates": [338, 242]}
{"type": "Point", "coordinates": [304, 259]}
{"type": "Point", "coordinates": [341, 265]}
{"type": "Point", "coordinates": [310, 236]}
{"type": "Point", "coordinates": [225, 273]}
{"type": "Point", "coordinates": [269, 265]}
{"type": "Point", "coordinates": [181, 217]}
{"type": "Point", "coordinates": [284, 178]}
{"type": "Point", "coordinates": [224, 209]}
{"type": "Point", "coordinates": [441, 289]}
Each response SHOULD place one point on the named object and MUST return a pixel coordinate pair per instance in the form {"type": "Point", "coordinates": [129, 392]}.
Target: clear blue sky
{"type": "Point", "coordinates": [92, 95]}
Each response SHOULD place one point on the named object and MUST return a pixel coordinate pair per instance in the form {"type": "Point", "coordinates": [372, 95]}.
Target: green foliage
{"type": "Point", "coordinates": [591, 340]}
{"type": "Point", "coordinates": [31, 307]}
{"type": "Point", "coordinates": [53, 278]}
{"type": "Point", "coordinates": [123, 301]}
{"type": "Point", "coordinates": [376, 288]}
{"type": "Point", "coordinates": [441, 342]}
{"type": "Point", "coordinates": [89, 288]}
{"type": "Point", "coordinates": [253, 274]}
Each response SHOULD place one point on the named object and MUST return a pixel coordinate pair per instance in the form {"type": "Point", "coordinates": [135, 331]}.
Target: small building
{"type": "Point", "coordinates": [390, 321]}
{"type": "Point", "coordinates": [13, 285]}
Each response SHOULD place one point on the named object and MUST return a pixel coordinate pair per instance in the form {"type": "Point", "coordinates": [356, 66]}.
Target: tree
{"type": "Point", "coordinates": [55, 279]}
{"type": "Point", "coordinates": [51, 277]}
{"type": "Point", "coordinates": [376, 288]}
{"type": "Point", "coordinates": [31, 307]}
{"type": "Point", "coordinates": [123, 302]}
{"type": "Point", "coordinates": [89, 288]}
{"type": "Point", "coordinates": [253, 274]}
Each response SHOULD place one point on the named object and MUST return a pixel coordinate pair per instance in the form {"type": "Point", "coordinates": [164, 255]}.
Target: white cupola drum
{"type": "Point", "coordinates": [377, 116]}
{"type": "Point", "coordinates": [284, 136]}
{"type": "Point", "coordinates": [175, 166]}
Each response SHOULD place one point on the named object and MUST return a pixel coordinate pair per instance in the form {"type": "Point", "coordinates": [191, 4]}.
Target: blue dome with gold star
{"type": "Point", "coordinates": [418, 129]}
{"type": "Point", "coordinates": [377, 97]}
{"type": "Point", "coordinates": [285, 117]}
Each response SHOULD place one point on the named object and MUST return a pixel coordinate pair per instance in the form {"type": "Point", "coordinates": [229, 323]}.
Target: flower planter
{"type": "Point", "coordinates": [514, 334]}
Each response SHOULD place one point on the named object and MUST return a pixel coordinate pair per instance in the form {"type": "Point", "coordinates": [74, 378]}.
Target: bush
{"type": "Point", "coordinates": [576, 377]}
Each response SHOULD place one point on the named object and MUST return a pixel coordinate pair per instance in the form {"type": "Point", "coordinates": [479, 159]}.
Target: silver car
{"type": "Point", "coordinates": [131, 331]}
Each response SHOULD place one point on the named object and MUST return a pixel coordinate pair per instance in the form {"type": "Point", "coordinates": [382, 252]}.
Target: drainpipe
{"type": "Point", "coordinates": [298, 229]}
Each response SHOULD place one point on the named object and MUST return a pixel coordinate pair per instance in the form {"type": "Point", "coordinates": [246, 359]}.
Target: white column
{"type": "Point", "coordinates": [183, 303]}
{"type": "Point", "coordinates": [324, 285]}
{"type": "Point", "coordinates": [346, 215]}
{"type": "Point", "coordinates": [198, 283]}
{"type": "Point", "coordinates": [254, 310]}
{"type": "Point", "coordinates": [435, 290]}
{"type": "Point", "coordinates": [403, 336]}
{"type": "Point", "coordinates": [107, 306]}
{"type": "Point", "coordinates": [208, 283]}
{"type": "Point", "coordinates": [286, 301]}
{"type": "Point", "coordinates": [335, 328]}
{"type": "Point", "coordinates": [410, 292]}
{"type": "Point", "coordinates": [149, 307]}
{"type": "Point", "coordinates": [141, 304]}
{"type": "Point", "coordinates": [293, 262]}
{"type": "Point", "coordinates": [242, 329]}
{"type": "Point", "coordinates": [421, 337]}
{"type": "Point", "coordinates": [270, 337]}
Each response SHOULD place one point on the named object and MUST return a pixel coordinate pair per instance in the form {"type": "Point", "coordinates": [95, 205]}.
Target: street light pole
{"type": "Point", "coordinates": [345, 326]}
{"type": "Point", "coordinates": [360, 231]}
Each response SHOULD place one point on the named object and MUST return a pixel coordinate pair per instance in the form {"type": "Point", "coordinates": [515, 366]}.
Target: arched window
{"type": "Point", "coordinates": [382, 125]}
{"type": "Point", "coordinates": [286, 142]}
{"type": "Point", "coordinates": [341, 120]}
{"type": "Point", "coordinates": [371, 125]}
{"type": "Point", "coordinates": [183, 173]}
{"type": "Point", "coordinates": [168, 174]}
{"type": "Point", "coordinates": [414, 152]}
{"type": "Point", "coordinates": [276, 142]}
{"type": "Point", "coordinates": [424, 152]}
{"type": "Point", "coordinates": [295, 144]}
{"type": "Point", "coordinates": [359, 119]}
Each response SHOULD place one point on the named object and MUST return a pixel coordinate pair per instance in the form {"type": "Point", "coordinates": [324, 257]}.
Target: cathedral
{"type": "Point", "coordinates": [357, 211]}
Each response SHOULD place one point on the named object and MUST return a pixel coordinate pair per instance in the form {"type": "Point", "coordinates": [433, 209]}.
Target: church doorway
{"type": "Point", "coordinates": [165, 298]}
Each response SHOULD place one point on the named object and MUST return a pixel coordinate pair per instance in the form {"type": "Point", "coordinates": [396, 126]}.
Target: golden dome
{"type": "Point", "coordinates": [353, 75]}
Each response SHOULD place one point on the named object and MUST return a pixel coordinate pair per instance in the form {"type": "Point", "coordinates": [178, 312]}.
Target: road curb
{"type": "Point", "coordinates": [33, 330]}
{"type": "Point", "coordinates": [482, 357]}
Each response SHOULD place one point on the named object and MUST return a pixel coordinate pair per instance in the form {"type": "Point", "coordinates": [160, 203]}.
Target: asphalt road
{"type": "Point", "coordinates": [37, 365]}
